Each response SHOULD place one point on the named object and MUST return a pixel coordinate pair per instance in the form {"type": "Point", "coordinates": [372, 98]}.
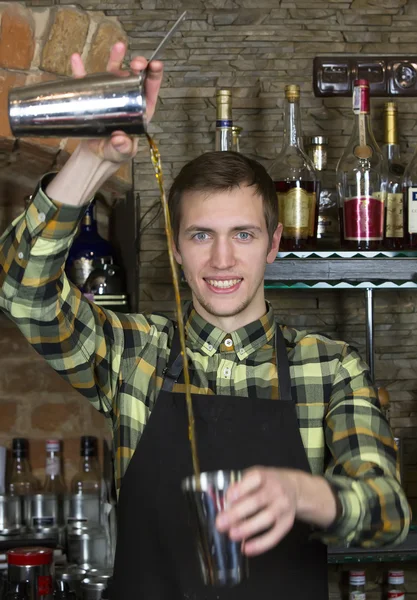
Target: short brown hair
{"type": "Point", "coordinates": [221, 171]}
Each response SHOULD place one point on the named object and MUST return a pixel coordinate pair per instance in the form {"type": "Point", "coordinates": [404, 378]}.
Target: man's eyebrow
{"type": "Point", "coordinates": [194, 228]}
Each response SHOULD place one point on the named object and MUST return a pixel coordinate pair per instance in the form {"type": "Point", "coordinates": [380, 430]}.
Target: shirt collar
{"type": "Point", "coordinates": [207, 338]}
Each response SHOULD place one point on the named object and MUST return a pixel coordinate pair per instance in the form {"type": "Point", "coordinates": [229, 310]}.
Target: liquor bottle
{"type": "Point", "coordinates": [54, 481]}
{"type": "Point", "coordinates": [361, 176]}
{"type": "Point", "coordinates": [88, 478]}
{"type": "Point", "coordinates": [87, 248]}
{"type": "Point", "coordinates": [357, 583]}
{"type": "Point", "coordinates": [22, 482]}
{"type": "Point", "coordinates": [328, 230]}
{"type": "Point", "coordinates": [295, 181]}
{"type": "Point", "coordinates": [236, 133]}
{"type": "Point", "coordinates": [394, 229]}
{"type": "Point", "coordinates": [224, 122]}
{"type": "Point", "coordinates": [396, 587]}
{"type": "Point", "coordinates": [18, 591]}
{"type": "Point", "coordinates": [410, 204]}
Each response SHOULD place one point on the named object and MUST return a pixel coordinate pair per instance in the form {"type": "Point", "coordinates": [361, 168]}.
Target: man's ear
{"type": "Point", "coordinates": [276, 238]}
{"type": "Point", "coordinates": [176, 253]}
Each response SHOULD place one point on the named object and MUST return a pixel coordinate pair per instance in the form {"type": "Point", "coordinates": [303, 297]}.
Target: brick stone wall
{"type": "Point", "coordinates": [255, 47]}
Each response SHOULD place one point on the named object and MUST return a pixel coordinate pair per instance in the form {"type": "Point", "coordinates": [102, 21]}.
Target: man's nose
{"type": "Point", "coordinates": [222, 255]}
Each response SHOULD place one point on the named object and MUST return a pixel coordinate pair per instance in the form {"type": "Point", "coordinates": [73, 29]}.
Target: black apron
{"type": "Point", "coordinates": [156, 556]}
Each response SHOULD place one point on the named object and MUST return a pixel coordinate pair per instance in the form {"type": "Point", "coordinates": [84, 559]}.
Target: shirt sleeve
{"type": "Point", "coordinates": [84, 343]}
{"type": "Point", "coordinates": [363, 467]}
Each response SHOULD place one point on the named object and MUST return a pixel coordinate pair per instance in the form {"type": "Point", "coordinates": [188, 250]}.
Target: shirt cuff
{"type": "Point", "coordinates": [344, 529]}
{"type": "Point", "coordinates": [49, 219]}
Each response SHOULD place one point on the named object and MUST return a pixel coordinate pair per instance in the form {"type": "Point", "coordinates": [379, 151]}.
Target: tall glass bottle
{"type": "Point", "coordinates": [54, 481]}
{"type": "Point", "coordinates": [87, 248]}
{"type": "Point", "coordinates": [22, 482]}
{"type": "Point", "coordinates": [394, 228]}
{"type": "Point", "coordinates": [224, 122]}
{"type": "Point", "coordinates": [88, 478]}
{"type": "Point", "coordinates": [361, 176]}
{"type": "Point", "coordinates": [295, 181]}
{"type": "Point", "coordinates": [410, 204]}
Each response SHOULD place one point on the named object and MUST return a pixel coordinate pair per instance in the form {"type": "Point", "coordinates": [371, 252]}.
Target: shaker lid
{"type": "Point", "coordinates": [30, 557]}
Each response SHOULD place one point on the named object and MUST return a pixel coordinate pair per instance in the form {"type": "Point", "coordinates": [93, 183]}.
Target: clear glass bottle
{"type": "Point", "coordinates": [396, 585]}
{"type": "Point", "coordinates": [87, 248]}
{"type": "Point", "coordinates": [295, 181]}
{"type": "Point", "coordinates": [328, 230]}
{"type": "Point", "coordinates": [88, 478]}
{"type": "Point", "coordinates": [224, 121]}
{"type": "Point", "coordinates": [361, 176]}
{"type": "Point", "coordinates": [394, 228]}
{"type": "Point", "coordinates": [54, 481]}
{"type": "Point", "coordinates": [22, 482]}
{"type": "Point", "coordinates": [357, 582]}
{"type": "Point", "coordinates": [410, 203]}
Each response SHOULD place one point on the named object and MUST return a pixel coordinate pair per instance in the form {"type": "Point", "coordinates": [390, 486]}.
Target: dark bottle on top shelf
{"type": "Point", "coordinates": [394, 228]}
{"type": "Point", "coordinates": [87, 248]}
{"type": "Point", "coordinates": [361, 176]}
{"type": "Point", "coordinates": [295, 181]}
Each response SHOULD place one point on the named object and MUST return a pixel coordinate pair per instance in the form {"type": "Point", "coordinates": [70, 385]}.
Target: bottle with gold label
{"type": "Point", "coordinates": [224, 122]}
{"type": "Point", "coordinates": [361, 177]}
{"type": "Point", "coordinates": [394, 227]}
{"type": "Point", "coordinates": [295, 181]}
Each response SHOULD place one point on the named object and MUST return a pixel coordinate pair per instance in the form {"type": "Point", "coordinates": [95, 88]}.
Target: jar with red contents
{"type": "Point", "coordinates": [34, 565]}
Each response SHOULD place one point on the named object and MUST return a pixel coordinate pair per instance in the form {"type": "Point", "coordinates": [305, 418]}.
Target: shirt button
{"type": "Point", "coordinates": [41, 217]}
{"type": "Point", "coordinates": [228, 342]}
{"type": "Point", "coordinates": [227, 372]}
{"type": "Point", "coordinates": [209, 347]}
{"type": "Point", "coordinates": [242, 351]}
{"type": "Point", "coordinates": [20, 255]}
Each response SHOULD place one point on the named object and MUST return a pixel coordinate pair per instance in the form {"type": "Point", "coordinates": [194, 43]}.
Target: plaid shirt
{"type": "Point", "coordinates": [117, 362]}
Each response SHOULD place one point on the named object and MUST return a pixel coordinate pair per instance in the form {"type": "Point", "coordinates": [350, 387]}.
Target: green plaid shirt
{"type": "Point", "coordinates": [117, 362]}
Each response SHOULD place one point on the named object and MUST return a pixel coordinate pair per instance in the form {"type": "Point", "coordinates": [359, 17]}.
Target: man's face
{"type": "Point", "coordinates": [223, 248]}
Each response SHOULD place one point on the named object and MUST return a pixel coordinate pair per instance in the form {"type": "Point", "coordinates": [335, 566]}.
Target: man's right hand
{"type": "Point", "coordinates": [119, 147]}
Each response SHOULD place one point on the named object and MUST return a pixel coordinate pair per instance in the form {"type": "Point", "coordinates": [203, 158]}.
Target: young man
{"type": "Point", "coordinates": [297, 412]}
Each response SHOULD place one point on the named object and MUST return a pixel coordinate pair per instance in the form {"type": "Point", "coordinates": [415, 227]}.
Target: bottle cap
{"type": "Point", "coordinates": [88, 445]}
{"type": "Point", "coordinates": [292, 92]}
{"type": "Point", "coordinates": [20, 446]}
{"type": "Point", "coordinates": [319, 140]}
{"type": "Point", "coordinates": [30, 557]}
{"type": "Point", "coordinates": [361, 83]}
{"type": "Point", "coordinates": [224, 106]}
{"type": "Point", "coordinates": [390, 107]}
{"type": "Point", "coordinates": [53, 446]}
{"type": "Point", "coordinates": [357, 577]}
{"type": "Point", "coordinates": [396, 577]}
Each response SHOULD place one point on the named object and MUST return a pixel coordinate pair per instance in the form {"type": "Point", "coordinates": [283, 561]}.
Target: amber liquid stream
{"type": "Point", "coordinates": [157, 165]}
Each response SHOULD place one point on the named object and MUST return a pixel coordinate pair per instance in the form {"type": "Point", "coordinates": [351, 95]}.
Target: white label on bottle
{"type": "Point", "coordinates": [394, 226]}
{"type": "Point", "coordinates": [356, 100]}
{"type": "Point", "coordinates": [412, 210]}
{"type": "Point", "coordinates": [357, 595]}
{"type": "Point", "coordinates": [52, 466]}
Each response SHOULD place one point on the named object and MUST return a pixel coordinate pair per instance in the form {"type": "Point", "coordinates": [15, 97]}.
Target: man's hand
{"type": "Point", "coordinates": [266, 502]}
{"type": "Point", "coordinates": [121, 147]}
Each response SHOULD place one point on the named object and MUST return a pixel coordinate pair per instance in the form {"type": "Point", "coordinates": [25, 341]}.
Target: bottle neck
{"type": "Point", "coordinates": [21, 465]}
{"type": "Point", "coordinates": [292, 125]}
{"type": "Point", "coordinates": [89, 223]}
{"type": "Point", "coordinates": [89, 463]}
{"type": "Point", "coordinates": [391, 152]}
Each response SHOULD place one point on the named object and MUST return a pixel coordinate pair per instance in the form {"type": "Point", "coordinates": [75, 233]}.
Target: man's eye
{"type": "Point", "coordinates": [201, 236]}
{"type": "Point", "coordinates": [243, 235]}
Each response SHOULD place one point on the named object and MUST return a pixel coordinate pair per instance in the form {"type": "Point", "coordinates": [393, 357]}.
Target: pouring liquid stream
{"type": "Point", "coordinates": [157, 165]}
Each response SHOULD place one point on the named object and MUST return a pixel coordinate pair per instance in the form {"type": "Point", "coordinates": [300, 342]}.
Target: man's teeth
{"type": "Point", "coordinates": [227, 283]}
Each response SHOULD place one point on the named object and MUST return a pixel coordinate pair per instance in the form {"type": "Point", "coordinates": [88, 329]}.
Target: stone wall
{"type": "Point", "coordinates": [255, 47]}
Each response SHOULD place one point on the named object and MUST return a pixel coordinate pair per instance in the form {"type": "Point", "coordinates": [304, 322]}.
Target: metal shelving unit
{"type": "Point", "coordinates": [340, 270]}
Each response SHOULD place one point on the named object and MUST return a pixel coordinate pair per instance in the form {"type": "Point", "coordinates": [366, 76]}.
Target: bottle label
{"type": "Point", "coordinates": [363, 218]}
{"type": "Point", "coordinates": [80, 270]}
{"type": "Point", "coordinates": [297, 212]}
{"type": "Point", "coordinates": [394, 227]}
{"type": "Point", "coordinates": [412, 210]}
{"type": "Point", "coordinates": [398, 595]}
{"type": "Point", "coordinates": [357, 595]}
{"type": "Point", "coordinates": [45, 585]}
{"type": "Point", "coordinates": [52, 466]}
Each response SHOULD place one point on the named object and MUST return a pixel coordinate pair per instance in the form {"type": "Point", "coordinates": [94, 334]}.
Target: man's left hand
{"type": "Point", "coordinates": [263, 506]}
